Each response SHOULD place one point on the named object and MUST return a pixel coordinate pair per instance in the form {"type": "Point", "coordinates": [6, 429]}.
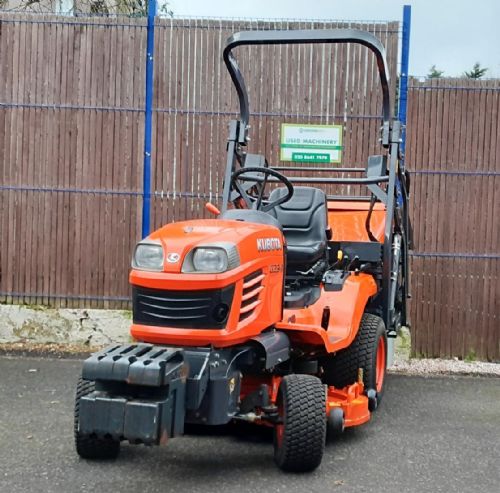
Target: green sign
{"type": "Point", "coordinates": [310, 157]}
{"type": "Point", "coordinates": [311, 143]}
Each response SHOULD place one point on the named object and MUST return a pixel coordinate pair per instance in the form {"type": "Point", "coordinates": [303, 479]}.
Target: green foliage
{"type": "Point", "coordinates": [417, 355]}
{"type": "Point", "coordinates": [435, 73]}
{"type": "Point", "coordinates": [30, 306]}
{"type": "Point", "coordinates": [471, 356]}
{"type": "Point", "coordinates": [477, 71]}
{"type": "Point", "coordinates": [98, 7]}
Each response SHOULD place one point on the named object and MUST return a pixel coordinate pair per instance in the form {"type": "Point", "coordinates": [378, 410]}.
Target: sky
{"type": "Point", "coordinates": [451, 34]}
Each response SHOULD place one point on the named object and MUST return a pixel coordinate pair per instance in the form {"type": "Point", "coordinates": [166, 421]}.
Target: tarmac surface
{"type": "Point", "coordinates": [435, 434]}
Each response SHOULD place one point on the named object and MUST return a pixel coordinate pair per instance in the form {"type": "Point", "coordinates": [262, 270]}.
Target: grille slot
{"type": "Point", "coordinates": [252, 287]}
{"type": "Point", "coordinates": [208, 309]}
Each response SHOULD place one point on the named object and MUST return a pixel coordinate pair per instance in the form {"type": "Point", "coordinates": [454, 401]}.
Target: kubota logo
{"type": "Point", "coordinates": [268, 244]}
{"type": "Point", "coordinates": [172, 258]}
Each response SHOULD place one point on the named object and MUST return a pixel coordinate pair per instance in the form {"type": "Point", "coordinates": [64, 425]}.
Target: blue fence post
{"type": "Point", "coordinates": [148, 121]}
{"type": "Point", "coordinates": [403, 80]}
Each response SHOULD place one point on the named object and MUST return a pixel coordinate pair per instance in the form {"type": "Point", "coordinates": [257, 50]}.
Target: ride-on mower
{"type": "Point", "coordinates": [280, 311]}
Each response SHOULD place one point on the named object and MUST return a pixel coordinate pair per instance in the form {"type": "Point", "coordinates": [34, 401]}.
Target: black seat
{"type": "Point", "coordinates": [304, 219]}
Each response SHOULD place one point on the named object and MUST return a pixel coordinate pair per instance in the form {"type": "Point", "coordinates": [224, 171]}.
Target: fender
{"type": "Point", "coordinates": [346, 309]}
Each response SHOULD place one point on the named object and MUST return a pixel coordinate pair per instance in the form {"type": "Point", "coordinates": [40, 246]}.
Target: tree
{"type": "Point", "coordinates": [477, 71]}
{"type": "Point", "coordinates": [133, 8]}
{"type": "Point", "coordinates": [435, 73]}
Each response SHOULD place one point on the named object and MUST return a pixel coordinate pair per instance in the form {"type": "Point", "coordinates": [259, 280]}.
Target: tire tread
{"type": "Point", "coordinates": [304, 400]}
{"type": "Point", "coordinates": [88, 446]}
{"type": "Point", "coordinates": [342, 369]}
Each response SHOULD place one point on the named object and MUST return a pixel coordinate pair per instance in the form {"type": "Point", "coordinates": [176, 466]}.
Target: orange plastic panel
{"type": "Point", "coordinates": [347, 220]}
{"type": "Point", "coordinates": [180, 238]}
{"type": "Point", "coordinates": [303, 325]}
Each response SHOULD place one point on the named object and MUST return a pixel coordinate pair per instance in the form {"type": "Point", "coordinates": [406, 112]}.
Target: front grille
{"type": "Point", "coordinates": [208, 309]}
{"type": "Point", "coordinates": [250, 296]}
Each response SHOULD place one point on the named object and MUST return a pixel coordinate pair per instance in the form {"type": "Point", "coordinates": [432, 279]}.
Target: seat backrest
{"type": "Point", "coordinates": [304, 217]}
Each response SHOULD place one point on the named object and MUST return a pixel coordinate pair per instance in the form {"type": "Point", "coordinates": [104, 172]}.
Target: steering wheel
{"type": "Point", "coordinates": [258, 203]}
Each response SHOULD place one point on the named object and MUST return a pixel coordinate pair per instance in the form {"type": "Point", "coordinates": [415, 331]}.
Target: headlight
{"type": "Point", "coordinates": [213, 258]}
{"type": "Point", "coordinates": [210, 260]}
{"type": "Point", "coordinates": [148, 255]}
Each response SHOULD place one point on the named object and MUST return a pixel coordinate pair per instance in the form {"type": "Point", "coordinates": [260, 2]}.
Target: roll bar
{"type": "Point", "coordinates": [302, 36]}
{"type": "Point", "coordinates": [388, 171]}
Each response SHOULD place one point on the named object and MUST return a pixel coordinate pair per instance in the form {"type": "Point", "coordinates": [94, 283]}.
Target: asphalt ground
{"type": "Point", "coordinates": [437, 434]}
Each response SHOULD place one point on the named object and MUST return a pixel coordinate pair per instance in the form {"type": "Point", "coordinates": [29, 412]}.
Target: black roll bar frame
{"type": "Point", "coordinates": [305, 36]}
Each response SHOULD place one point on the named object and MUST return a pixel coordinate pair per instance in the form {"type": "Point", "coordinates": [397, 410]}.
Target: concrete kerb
{"type": "Point", "coordinates": [28, 329]}
{"type": "Point", "coordinates": [85, 327]}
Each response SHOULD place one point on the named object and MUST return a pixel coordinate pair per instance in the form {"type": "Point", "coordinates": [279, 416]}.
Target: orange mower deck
{"type": "Point", "coordinates": [352, 401]}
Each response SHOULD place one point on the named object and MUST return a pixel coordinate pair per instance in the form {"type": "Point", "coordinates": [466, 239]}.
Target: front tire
{"type": "Point", "coordinates": [368, 351]}
{"type": "Point", "coordinates": [88, 446]}
{"type": "Point", "coordinates": [299, 441]}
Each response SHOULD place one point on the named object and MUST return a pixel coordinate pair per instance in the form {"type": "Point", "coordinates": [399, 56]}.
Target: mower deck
{"type": "Point", "coordinates": [353, 402]}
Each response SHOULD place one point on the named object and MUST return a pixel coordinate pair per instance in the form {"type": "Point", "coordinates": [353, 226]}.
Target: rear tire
{"type": "Point", "coordinates": [299, 442]}
{"type": "Point", "coordinates": [88, 446]}
{"type": "Point", "coordinates": [368, 351]}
